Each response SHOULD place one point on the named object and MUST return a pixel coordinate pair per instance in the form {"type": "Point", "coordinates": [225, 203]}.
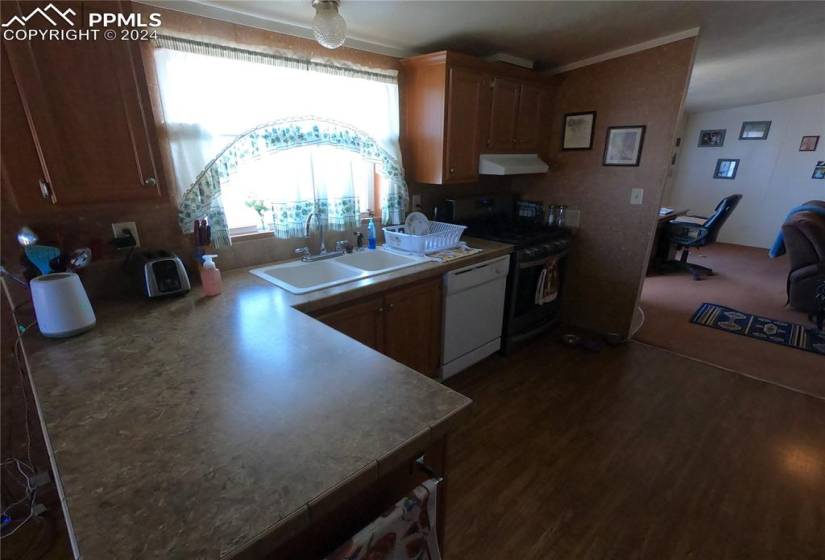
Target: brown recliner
{"type": "Point", "coordinates": [804, 234]}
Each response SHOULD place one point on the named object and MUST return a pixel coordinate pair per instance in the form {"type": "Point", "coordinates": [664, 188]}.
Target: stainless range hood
{"type": "Point", "coordinates": [510, 164]}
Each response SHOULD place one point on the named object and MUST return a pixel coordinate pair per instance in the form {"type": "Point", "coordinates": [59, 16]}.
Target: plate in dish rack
{"type": "Point", "coordinates": [417, 224]}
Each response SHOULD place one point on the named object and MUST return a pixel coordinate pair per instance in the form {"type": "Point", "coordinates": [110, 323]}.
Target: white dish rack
{"type": "Point", "coordinates": [441, 237]}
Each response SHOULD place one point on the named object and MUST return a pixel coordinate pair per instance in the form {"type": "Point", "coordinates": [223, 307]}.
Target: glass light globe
{"type": "Point", "coordinates": [329, 27]}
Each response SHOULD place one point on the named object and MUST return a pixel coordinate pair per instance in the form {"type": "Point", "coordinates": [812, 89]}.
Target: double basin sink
{"type": "Point", "coordinates": [300, 277]}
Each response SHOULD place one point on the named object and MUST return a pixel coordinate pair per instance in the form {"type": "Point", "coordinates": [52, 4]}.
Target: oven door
{"type": "Point", "coordinates": [525, 316]}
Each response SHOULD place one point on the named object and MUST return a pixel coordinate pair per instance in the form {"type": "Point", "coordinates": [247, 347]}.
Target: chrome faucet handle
{"type": "Point", "coordinates": [341, 246]}
{"type": "Point", "coordinates": [304, 252]}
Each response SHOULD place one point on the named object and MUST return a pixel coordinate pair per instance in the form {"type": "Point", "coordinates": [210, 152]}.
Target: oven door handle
{"type": "Point", "coordinates": [540, 262]}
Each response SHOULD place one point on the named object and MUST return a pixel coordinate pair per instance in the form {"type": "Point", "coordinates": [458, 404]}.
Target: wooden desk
{"type": "Point", "coordinates": [660, 252]}
{"type": "Point", "coordinates": [672, 215]}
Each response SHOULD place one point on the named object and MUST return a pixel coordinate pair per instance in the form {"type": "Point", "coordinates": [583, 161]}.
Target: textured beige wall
{"type": "Point", "coordinates": [612, 247]}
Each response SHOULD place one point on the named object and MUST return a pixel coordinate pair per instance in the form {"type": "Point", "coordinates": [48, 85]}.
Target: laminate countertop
{"type": "Point", "coordinates": [197, 427]}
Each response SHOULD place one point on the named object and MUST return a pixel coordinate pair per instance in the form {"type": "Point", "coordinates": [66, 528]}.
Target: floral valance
{"type": "Point", "coordinates": [203, 198]}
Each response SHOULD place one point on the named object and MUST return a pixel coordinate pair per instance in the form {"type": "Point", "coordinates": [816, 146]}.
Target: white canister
{"type": "Point", "coordinates": [61, 305]}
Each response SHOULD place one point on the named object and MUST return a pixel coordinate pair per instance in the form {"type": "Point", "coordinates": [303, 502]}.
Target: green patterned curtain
{"type": "Point", "coordinates": [290, 218]}
{"type": "Point", "coordinates": [203, 198]}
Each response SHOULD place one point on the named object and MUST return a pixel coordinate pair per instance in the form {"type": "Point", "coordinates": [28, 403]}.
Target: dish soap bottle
{"type": "Point", "coordinates": [371, 234]}
{"type": "Point", "coordinates": [211, 276]}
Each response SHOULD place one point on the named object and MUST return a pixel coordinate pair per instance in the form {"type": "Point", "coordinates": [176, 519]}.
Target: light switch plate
{"type": "Point", "coordinates": [117, 230]}
{"type": "Point", "coordinates": [636, 196]}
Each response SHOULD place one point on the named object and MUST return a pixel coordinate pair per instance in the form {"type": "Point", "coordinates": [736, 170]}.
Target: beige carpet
{"type": "Point", "coordinates": [748, 281]}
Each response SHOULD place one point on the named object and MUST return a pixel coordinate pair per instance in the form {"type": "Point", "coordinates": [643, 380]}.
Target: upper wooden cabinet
{"type": "Point", "coordinates": [86, 112]}
{"type": "Point", "coordinates": [528, 118]}
{"type": "Point", "coordinates": [465, 98]}
{"type": "Point", "coordinates": [503, 115]}
{"type": "Point", "coordinates": [457, 107]}
{"type": "Point", "coordinates": [515, 116]}
{"type": "Point", "coordinates": [443, 105]}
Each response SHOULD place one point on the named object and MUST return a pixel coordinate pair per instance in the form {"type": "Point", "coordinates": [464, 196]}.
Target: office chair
{"type": "Point", "coordinates": [687, 235]}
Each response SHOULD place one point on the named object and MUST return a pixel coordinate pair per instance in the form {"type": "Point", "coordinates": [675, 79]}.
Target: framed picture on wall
{"type": "Point", "coordinates": [623, 145]}
{"type": "Point", "coordinates": [726, 169]}
{"type": "Point", "coordinates": [808, 143]}
{"type": "Point", "coordinates": [578, 131]}
{"type": "Point", "coordinates": [819, 170]}
{"type": "Point", "coordinates": [712, 138]}
{"type": "Point", "coordinates": [755, 130]}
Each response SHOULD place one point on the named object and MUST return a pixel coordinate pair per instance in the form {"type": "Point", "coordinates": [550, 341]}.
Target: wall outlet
{"type": "Point", "coordinates": [573, 218]}
{"type": "Point", "coordinates": [636, 196]}
{"type": "Point", "coordinates": [119, 227]}
{"type": "Point", "coordinates": [416, 201]}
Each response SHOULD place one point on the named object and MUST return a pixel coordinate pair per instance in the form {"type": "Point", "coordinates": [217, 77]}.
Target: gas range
{"type": "Point", "coordinates": [532, 240]}
{"type": "Point", "coordinates": [499, 217]}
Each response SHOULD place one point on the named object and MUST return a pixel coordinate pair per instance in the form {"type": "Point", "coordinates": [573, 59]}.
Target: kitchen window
{"type": "Point", "coordinates": [259, 141]}
{"type": "Point", "coordinates": [262, 185]}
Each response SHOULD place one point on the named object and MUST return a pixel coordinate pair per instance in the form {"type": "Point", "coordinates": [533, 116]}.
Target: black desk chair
{"type": "Point", "coordinates": [686, 235]}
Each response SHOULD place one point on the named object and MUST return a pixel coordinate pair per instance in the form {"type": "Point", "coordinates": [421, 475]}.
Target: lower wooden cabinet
{"type": "Point", "coordinates": [403, 323]}
{"type": "Point", "coordinates": [412, 326]}
{"type": "Point", "coordinates": [362, 321]}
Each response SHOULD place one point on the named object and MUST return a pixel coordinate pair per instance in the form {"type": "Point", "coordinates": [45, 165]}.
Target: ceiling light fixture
{"type": "Point", "coordinates": [329, 27]}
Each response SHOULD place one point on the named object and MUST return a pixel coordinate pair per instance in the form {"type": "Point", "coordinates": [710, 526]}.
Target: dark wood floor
{"type": "Point", "coordinates": [633, 452]}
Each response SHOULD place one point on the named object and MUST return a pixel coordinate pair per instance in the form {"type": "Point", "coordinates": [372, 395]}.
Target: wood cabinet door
{"type": "Point", "coordinates": [361, 320]}
{"type": "Point", "coordinates": [464, 95]}
{"type": "Point", "coordinates": [412, 326]}
{"type": "Point", "coordinates": [528, 122]}
{"type": "Point", "coordinates": [87, 108]}
{"type": "Point", "coordinates": [21, 168]}
{"type": "Point", "coordinates": [503, 115]}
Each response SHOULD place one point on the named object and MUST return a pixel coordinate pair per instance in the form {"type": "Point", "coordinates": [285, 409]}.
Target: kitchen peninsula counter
{"type": "Point", "coordinates": [204, 427]}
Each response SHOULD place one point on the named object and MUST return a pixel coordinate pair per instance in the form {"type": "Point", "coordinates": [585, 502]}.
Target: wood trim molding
{"type": "Point", "coordinates": [653, 43]}
{"type": "Point", "coordinates": [231, 15]}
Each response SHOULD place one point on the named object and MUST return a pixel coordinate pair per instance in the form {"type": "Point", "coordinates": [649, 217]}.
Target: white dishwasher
{"type": "Point", "coordinates": [473, 313]}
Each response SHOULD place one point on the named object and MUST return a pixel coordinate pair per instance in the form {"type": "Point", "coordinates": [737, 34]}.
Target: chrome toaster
{"type": "Point", "coordinates": [159, 273]}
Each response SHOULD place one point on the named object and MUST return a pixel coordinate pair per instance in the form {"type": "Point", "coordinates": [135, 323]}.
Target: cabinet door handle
{"type": "Point", "coordinates": [380, 309]}
{"type": "Point", "coordinates": [46, 191]}
{"type": "Point", "coordinates": [391, 305]}
{"type": "Point", "coordinates": [452, 170]}
{"type": "Point", "coordinates": [150, 182]}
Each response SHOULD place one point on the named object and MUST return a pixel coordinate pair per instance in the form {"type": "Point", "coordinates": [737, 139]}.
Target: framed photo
{"type": "Point", "coordinates": [712, 138]}
{"type": "Point", "coordinates": [578, 131]}
{"type": "Point", "coordinates": [819, 170]}
{"type": "Point", "coordinates": [755, 130]}
{"type": "Point", "coordinates": [808, 143]}
{"type": "Point", "coordinates": [623, 145]}
{"type": "Point", "coordinates": [726, 169]}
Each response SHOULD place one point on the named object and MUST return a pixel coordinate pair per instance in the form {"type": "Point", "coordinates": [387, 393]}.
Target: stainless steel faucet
{"type": "Point", "coordinates": [320, 229]}
{"type": "Point", "coordinates": [305, 253]}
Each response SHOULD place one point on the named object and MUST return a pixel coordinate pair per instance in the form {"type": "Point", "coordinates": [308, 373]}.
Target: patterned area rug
{"type": "Point", "coordinates": [760, 328]}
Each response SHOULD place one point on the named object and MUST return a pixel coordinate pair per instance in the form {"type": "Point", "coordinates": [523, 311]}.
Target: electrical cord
{"type": "Point", "coordinates": [30, 495]}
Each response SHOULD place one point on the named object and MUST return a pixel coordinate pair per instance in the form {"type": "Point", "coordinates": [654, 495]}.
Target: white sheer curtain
{"type": "Point", "coordinates": [209, 101]}
{"type": "Point", "coordinates": [308, 173]}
